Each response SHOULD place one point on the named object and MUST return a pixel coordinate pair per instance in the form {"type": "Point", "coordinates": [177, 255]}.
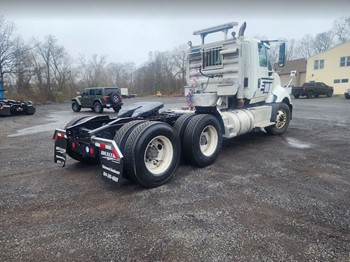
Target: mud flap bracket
{"type": "Point", "coordinates": [60, 137]}
{"type": "Point", "coordinates": [111, 159]}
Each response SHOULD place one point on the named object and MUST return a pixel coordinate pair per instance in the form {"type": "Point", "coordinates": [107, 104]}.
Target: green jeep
{"type": "Point", "coordinates": [98, 98]}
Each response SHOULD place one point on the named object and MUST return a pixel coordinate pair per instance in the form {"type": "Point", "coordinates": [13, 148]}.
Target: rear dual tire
{"type": "Point", "coordinates": [202, 140]}
{"type": "Point", "coordinates": [151, 152]}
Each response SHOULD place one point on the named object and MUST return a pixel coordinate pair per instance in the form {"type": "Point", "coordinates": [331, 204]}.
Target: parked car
{"type": "Point", "coordinates": [311, 89]}
{"type": "Point", "coordinates": [98, 98]}
{"type": "Point", "coordinates": [347, 93]}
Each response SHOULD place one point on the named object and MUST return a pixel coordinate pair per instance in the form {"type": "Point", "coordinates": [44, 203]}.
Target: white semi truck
{"type": "Point", "coordinates": [232, 90]}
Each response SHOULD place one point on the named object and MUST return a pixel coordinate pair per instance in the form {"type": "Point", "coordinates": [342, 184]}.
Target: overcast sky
{"type": "Point", "coordinates": [126, 31]}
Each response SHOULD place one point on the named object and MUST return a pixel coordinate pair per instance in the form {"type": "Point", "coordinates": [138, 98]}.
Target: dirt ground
{"type": "Point", "coordinates": [269, 198]}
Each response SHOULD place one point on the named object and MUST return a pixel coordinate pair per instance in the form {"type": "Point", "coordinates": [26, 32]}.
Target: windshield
{"type": "Point", "coordinates": [108, 91]}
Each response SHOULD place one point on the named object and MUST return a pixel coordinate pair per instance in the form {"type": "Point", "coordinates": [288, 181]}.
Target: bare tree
{"type": "Point", "coordinates": [61, 66]}
{"type": "Point", "coordinates": [179, 57]}
{"type": "Point", "coordinates": [122, 74]}
{"type": "Point", "coordinates": [305, 47]}
{"type": "Point", "coordinates": [23, 69]}
{"type": "Point", "coordinates": [323, 41]}
{"type": "Point", "coordinates": [7, 54]}
{"type": "Point", "coordinates": [341, 29]}
{"type": "Point", "coordinates": [45, 51]}
{"type": "Point", "coordinates": [94, 71]}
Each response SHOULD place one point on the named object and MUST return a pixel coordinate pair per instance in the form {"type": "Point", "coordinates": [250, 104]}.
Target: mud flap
{"type": "Point", "coordinates": [111, 159]}
{"type": "Point", "coordinates": [60, 137]}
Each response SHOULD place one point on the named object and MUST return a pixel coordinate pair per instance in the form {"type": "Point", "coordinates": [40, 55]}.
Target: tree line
{"type": "Point", "coordinates": [310, 45]}
{"type": "Point", "coordinates": [44, 70]}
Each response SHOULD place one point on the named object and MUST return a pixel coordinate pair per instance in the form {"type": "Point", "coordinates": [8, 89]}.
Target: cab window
{"type": "Point", "coordinates": [262, 55]}
{"type": "Point", "coordinates": [92, 92]}
{"type": "Point", "coordinates": [98, 92]}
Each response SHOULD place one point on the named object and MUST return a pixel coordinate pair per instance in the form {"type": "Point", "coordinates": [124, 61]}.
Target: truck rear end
{"type": "Point", "coordinates": [104, 140]}
{"type": "Point", "coordinates": [10, 107]}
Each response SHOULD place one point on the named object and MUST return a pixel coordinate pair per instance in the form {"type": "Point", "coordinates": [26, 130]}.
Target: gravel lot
{"type": "Point", "coordinates": [265, 198]}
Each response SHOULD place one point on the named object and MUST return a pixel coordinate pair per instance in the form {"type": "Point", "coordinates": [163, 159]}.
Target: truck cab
{"type": "Point", "coordinates": [234, 74]}
{"type": "Point", "coordinates": [234, 68]}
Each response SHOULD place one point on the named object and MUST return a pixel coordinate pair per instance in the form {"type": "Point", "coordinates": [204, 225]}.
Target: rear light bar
{"type": "Point", "coordinates": [59, 134]}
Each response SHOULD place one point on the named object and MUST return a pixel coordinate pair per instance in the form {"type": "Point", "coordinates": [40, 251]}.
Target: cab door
{"type": "Point", "coordinates": [265, 76]}
{"type": "Point", "coordinates": [87, 98]}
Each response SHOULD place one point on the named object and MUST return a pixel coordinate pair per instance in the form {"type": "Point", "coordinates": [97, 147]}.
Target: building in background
{"type": "Point", "coordinates": [331, 67]}
{"type": "Point", "coordinates": [298, 65]}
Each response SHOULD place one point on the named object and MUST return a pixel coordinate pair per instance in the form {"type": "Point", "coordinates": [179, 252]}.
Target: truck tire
{"type": "Point", "coordinates": [202, 140]}
{"type": "Point", "coordinates": [296, 96]}
{"type": "Point", "coordinates": [121, 137]}
{"type": "Point", "coordinates": [309, 94]}
{"type": "Point", "coordinates": [75, 106]}
{"type": "Point", "coordinates": [181, 123]}
{"type": "Point", "coordinates": [152, 153]}
{"type": "Point", "coordinates": [75, 155]}
{"type": "Point", "coordinates": [329, 93]}
{"type": "Point", "coordinates": [98, 107]}
{"type": "Point", "coordinates": [282, 121]}
{"type": "Point", "coordinates": [123, 133]}
{"type": "Point", "coordinates": [30, 109]}
{"type": "Point", "coordinates": [316, 95]}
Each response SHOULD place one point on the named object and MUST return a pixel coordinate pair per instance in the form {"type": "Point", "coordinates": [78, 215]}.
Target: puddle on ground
{"type": "Point", "coordinates": [293, 142]}
{"type": "Point", "coordinates": [54, 120]}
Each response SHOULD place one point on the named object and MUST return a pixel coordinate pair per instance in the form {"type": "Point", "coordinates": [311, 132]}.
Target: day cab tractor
{"type": "Point", "coordinates": [232, 90]}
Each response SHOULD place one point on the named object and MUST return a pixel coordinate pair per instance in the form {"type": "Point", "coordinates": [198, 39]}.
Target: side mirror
{"type": "Point", "coordinates": [282, 55]}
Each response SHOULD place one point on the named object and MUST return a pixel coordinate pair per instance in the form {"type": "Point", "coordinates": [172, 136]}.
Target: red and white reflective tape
{"type": "Point", "coordinates": [115, 153]}
{"type": "Point", "coordinates": [61, 135]}
{"type": "Point", "coordinates": [103, 146]}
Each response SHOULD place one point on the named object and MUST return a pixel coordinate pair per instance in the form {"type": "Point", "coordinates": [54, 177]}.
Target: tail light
{"type": "Point", "coordinates": [92, 151]}
{"type": "Point", "coordinates": [105, 99]}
